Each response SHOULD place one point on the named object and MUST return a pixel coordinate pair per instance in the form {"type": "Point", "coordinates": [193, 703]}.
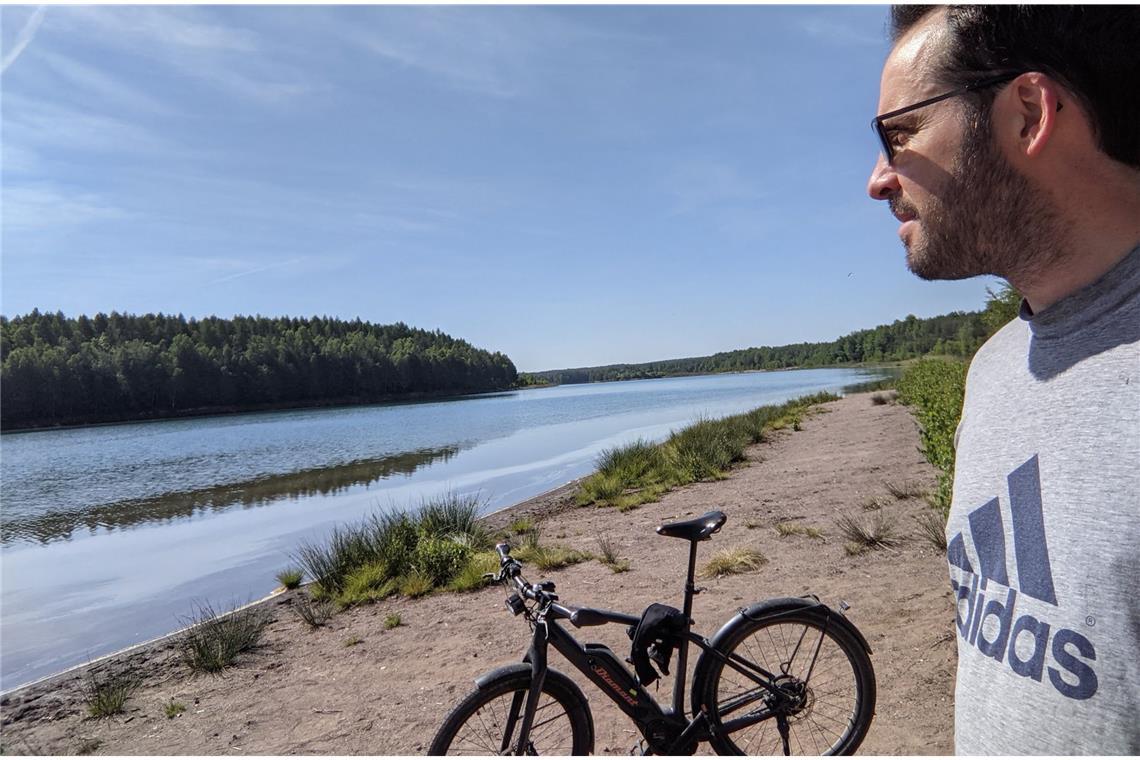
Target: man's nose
{"type": "Point", "coordinates": [884, 181]}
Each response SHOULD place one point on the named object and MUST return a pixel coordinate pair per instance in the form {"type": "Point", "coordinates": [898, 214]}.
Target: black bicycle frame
{"type": "Point", "coordinates": [667, 732]}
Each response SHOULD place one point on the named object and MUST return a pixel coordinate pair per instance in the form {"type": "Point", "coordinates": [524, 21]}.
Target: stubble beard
{"type": "Point", "coordinates": [988, 220]}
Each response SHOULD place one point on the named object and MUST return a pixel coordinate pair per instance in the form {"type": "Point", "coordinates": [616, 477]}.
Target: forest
{"type": "Point", "coordinates": [58, 370]}
{"type": "Point", "coordinates": [956, 334]}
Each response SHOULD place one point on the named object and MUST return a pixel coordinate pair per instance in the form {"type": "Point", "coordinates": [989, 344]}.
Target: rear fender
{"type": "Point", "coordinates": [772, 608]}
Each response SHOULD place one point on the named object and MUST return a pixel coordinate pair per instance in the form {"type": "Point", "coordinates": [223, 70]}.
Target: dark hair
{"type": "Point", "coordinates": [1091, 51]}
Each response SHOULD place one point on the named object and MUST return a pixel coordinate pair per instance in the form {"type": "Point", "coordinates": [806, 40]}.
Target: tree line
{"type": "Point", "coordinates": [61, 370]}
{"type": "Point", "coordinates": [957, 334]}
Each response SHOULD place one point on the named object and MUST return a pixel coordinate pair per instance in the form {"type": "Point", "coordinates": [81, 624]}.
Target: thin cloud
{"type": "Point", "coordinates": [33, 207]}
{"type": "Point", "coordinates": [24, 38]}
{"type": "Point", "coordinates": [833, 31]}
{"type": "Point", "coordinates": [255, 270]}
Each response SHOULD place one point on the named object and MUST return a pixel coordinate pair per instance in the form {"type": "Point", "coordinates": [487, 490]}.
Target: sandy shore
{"type": "Point", "coordinates": [353, 687]}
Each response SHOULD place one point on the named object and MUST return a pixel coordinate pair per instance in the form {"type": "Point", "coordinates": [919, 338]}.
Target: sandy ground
{"type": "Point", "coordinates": [312, 692]}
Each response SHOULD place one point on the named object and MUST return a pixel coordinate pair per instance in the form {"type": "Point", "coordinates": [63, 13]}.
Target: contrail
{"type": "Point", "coordinates": [25, 38]}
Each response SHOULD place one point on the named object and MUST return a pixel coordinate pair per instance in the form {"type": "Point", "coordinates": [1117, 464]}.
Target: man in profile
{"type": "Point", "coordinates": [1011, 147]}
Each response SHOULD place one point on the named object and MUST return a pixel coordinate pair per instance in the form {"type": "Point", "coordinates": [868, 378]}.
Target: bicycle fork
{"type": "Point", "coordinates": [536, 656]}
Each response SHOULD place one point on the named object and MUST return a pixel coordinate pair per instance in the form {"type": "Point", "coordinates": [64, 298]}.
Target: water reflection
{"type": "Point", "coordinates": [169, 507]}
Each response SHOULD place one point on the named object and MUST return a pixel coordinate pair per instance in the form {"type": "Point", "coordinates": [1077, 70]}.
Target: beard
{"type": "Point", "coordinates": [987, 220]}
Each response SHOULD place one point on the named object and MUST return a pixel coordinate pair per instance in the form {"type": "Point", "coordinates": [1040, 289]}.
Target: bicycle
{"type": "Point", "coordinates": [791, 662]}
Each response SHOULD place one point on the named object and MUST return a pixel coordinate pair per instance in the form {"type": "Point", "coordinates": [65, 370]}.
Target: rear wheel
{"type": "Point", "coordinates": [487, 721]}
{"type": "Point", "coordinates": [826, 678]}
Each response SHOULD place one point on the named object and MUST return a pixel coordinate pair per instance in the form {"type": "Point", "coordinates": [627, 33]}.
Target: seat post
{"type": "Point", "coordinates": [683, 650]}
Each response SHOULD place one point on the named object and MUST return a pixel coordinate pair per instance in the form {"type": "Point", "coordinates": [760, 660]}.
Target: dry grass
{"type": "Point", "coordinates": [786, 529]}
{"type": "Point", "coordinates": [214, 641]}
{"type": "Point", "coordinates": [875, 502]}
{"type": "Point", "coordinates": [908, 489]}
{"type": "Point", "coordinates": [740, 559]}
{"type": "Point", "coordinates": [875, 531]}
{"type": "Point", "coordinates": [932, 527]}
{"type": "Point", "coordinates": [315, 612]}
{"type": "Point", "coordinates": [609, 555]}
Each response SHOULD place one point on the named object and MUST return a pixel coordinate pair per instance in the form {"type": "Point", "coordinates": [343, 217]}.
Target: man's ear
{"type": "Point", "coordinates": [1033, 103]}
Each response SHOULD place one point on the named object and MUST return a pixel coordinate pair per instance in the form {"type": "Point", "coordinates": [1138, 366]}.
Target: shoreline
{"type": "Point", "coordinates": [542, 506]}
{"type": "Point", "coordinates": [354, 686]}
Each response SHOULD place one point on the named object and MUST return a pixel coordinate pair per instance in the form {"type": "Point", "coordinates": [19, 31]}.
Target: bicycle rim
{"type": "Point", "coordinates": [831, 674]}
{"type": "Point", "coordinates": [488, 722]}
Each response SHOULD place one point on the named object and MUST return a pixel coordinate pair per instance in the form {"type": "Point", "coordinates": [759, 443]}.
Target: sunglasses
{"type": "Point", "coordinates": [881, 130]}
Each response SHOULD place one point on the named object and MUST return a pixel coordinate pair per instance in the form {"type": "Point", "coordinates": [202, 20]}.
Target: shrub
{"type": "Point", "coordinates": [213, 642]}
{"type": "Point", "coordinates": [935, 389]}
{"type": "Point", "coordinates": [732, 561]}
{"type": "Point", "coordinates": [290, 577]}
{"type": "Point", "coordinates": [440, 559]}
{"type": "Point", "coordinates": [107, 693]}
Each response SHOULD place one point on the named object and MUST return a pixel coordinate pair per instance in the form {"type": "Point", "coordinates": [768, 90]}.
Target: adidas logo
{"type": "Point", "coordinates": [1028, 645]}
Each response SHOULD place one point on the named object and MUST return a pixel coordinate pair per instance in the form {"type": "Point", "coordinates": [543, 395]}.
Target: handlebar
{"type": "Point", "coordinates": [511, 570]}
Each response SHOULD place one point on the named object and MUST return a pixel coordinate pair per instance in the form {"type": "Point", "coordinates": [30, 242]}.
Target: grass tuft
{"type": "Point", "coordinates": [732, 561]}
{"type": "Point", "coordinates": [352, 641]}
{"type": "Point", "coordinates": [392, 621]}
{"type": "Point", "coordinates": [872, 503]}
{"type": "Point", "coordinates": [173, 709]}
{"type": "Point", "coordinates": [314, 612]}
{"type": "Point", "coordinates": [786, 529]}
{"type": "Point", "coordinates": [291, 577]}
{"type": "Point", "coordinates": [609, 556]}
{"type": "Point", "coordinates": [107, 693]}
{"type": "Point", "coordinates": [876, 531]}
{"type": "Point", "coordinates": [546, 557]}
{"type": "Point", "coordinates": [415, 584]}
{"type": "Point", "coordinates": [521, 525]}
{"type": "Point", "coordinates": [908, 489]}
{"type": "Point", "coordinates": [470, 578]}
{"type": "Point", "coordinates": [214, 640]}
{"type": "Point", "coordinates": [932, 527]}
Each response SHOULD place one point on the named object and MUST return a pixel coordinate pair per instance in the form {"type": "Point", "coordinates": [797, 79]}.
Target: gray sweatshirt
{"type": "Point", "coordinates": [1044, 530]}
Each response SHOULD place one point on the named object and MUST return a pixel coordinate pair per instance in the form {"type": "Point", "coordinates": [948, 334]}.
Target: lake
{"type": "Point", "coordinates": [111, 535]}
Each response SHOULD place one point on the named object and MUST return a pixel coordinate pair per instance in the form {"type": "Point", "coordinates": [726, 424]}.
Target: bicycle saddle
{"type": "Point", "coordinates": [697, 529]}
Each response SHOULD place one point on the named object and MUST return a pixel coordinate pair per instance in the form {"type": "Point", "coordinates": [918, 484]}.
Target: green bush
{"type": "Point", "coordinates": [935, 389]}
{"type": "Point", "coordinates": [440, 559]}
{"type": "Point", "coordinates": [291, 577]}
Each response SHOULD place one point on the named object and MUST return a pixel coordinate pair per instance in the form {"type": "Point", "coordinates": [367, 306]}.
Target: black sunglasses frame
{"type": "Point", "coordinates": [880, 128]}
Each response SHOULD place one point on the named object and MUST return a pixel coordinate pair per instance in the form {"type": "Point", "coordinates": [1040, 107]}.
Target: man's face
{"type": "Point", "coordinates": [963, 208]}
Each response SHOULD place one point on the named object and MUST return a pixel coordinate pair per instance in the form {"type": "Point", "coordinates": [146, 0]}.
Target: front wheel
{"type": "Point", "coordinates": [827, 685]}
{"type": "Point", "coordinates": [487, 721]}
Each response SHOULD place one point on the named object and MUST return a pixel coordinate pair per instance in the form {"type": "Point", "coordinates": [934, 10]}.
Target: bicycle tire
{"type": "Point", "coordinates": [838, 698]}
{"type": "Point", "coordinates": [562, 726]}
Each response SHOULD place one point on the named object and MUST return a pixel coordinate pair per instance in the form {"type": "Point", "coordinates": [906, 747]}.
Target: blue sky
{"type": "Point", "coordinates": [570, 185]}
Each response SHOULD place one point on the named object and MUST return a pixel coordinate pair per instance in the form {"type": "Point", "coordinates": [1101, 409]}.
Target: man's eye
{"type": "Point", "coordinates": [897, 137]}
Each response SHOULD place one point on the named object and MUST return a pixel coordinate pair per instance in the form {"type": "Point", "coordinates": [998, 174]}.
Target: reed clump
{"type": "Point", "coordinates": [213, 641]}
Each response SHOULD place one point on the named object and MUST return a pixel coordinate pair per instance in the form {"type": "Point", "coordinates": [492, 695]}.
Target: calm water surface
{"type": "Point", "coordinates": [110, 535]}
